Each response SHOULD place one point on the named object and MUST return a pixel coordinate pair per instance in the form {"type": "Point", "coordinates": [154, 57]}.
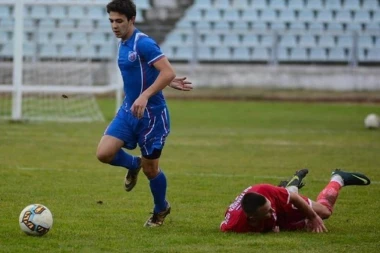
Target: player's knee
{"type": "Point", "coordinates": [104, 157]}
{"type": "Point", "coordinates": [150, 171]}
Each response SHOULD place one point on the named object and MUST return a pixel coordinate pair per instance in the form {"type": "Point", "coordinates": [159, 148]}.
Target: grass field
{"type": "Point", "coordinates": [215, 150]}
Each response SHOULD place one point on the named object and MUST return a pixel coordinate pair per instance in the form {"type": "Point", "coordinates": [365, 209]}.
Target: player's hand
{"type": "Point", "coordinates": [180, 83]}
{"type": "Point", "coordinates": [139, 106]}
{"type": "Point", "coordinates": [316, 225]}
{"type": "Point", "coordinates": [276, 229]}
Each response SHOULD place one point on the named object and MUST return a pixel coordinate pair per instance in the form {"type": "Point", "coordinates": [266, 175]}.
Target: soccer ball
{"type": "Point", "coordinates": [372, 121]}
{"type": "Point", "coordinates": [36, 219]}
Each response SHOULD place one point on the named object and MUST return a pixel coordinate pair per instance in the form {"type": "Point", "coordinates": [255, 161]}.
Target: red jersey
{"type": "Point", "coordinates": [284, 214]}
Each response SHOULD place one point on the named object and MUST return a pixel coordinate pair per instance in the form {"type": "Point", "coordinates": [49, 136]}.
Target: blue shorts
{"type": "Point", "coordinates": [149, 132]}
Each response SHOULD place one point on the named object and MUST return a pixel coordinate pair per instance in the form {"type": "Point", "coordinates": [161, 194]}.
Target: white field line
{"type": "Point", "coordinates": [208, 175]}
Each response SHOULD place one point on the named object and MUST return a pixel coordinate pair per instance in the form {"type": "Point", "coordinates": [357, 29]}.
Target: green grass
{"type": "Point", "coordinates": [215, 150]}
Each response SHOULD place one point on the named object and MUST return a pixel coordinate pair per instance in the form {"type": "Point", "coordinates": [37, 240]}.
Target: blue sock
{"type": "Point", "coordinates": [126, 160]}
{"type": "Point", "coordinates": [158, 189]}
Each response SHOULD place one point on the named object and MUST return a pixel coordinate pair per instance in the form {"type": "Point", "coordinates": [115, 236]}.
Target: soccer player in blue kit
{"type": "Point", "coordinates": [143, 118]}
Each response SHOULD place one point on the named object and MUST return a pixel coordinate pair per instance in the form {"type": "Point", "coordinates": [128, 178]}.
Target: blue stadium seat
{"type": "Point", "coordinates": [260, 26]}
{"type": "Point", "coordinates": [231, 40]}
{"type": "Point", "coordinates": [203, 26]}
{"type": "Point", "coordinates": [231, 15]}
{"type": "Point", "coordinates": [184, 24]}
{"type": "Point", "coordinates": [241, 4]}
{"type": "Point", "coordinates": [96, 12]}
{"type": "Point", "coordinates": [283, 54]}
{"type": "Point", "coordinates": [67, 23]}
{"type": "Point", "coordinates": [260, 54]}
{"type": "Point", "coordinates": [57, 11]}
{"type": "Point", "coordinates": [204, 54]}
{"type": "Point", "coordinates": [373, 55]}
{"type": "Point", "coordinates": [7, 50]}
{"type": "Point", "coordinates": [316, 27]}
{"type": "Point", "coordinates": [376, 16]}
{"type": "Point", "coordinates": [314, 4]}
{"type": "Point", "coordinates": [222, 54]}
{"type": "Point", "coordinates": [78, 38]}
{"type": "Point", "coordinates": [4, 38]}
{"type": "Point", "coordinates": [307, 40]}
{"type": "Point", "coordinates": [268, 15]}
{"type": "Point", "coordinates": [259, 4]}
{"type": "Point", "coordinates": [366, 41]}
{"type": "Point", "coordinates": [240, 26]}
{"type": "Point", "coordinates": [278, 26]}
{"type": "Point", "coordinates": [352, 4]}
{"type": "Point", "coordinates": [174, 39]}
{"type": "Point", "coordinates": [59, 38]}
{"type": "Point", "coordinates": [222, 4]}
{"type": "Point", "coordinates": [318, 54]}
{"type": "Point", "coordinates": [222, 26]}
{"type": "Point", "coordinates": [297, 26]}
{"type": "Point", "coordinates": [241, 54]}
{"type": "Point", "coordinates": [325, 16]}
{"type": "Point", "coordinates": [5, 11]}
{"type": "Point", "coordinates": [377, 43]}
{"type": "Point", "coordinates": [249, 15]}
{"type": "Point", "coordinates": [362, 16]}
{"type": "Point", "coordinates": [250, 40]}
{"type": "Point", "coordinates": [345, 41]}
{"type": "Point", "coordinates": [306, 15]}
{"type": "Point", "coordinates": [76, 11]}
{"type": "Point", "coordinates": [212, 15]}
{"type": "Point", "coordinates": [370, 4]}
{"type": "Point", "coordinates": [298, 54]}
{"type": "Point", "coordinates": [337, 54]}
{"type": "Point", "coordinates": [326, 40]}
{"type": "Point", "coordinates": [38, 11]}
{"type": "Point", "coordinates": [47, 24]}
{"type": "Point", "coordinates": [85, 24]}
{"type": "Point", "coordinates": [87, 51]}
{"type": "Point", "coordinates": [372, 27]}
{"type": "Point", "coordinates": [267, 41]}
{"type": "Point", "coordinates": [212, 40]}
{"type": "Point", "coordinates": [277, 4]}
{"type": "Point", "coordinates": [343, 16]}
{"type": "Point", "coordinates": [48, 51]}
{"type": "Point", "coordinates": [287, 15]}
{"type": "Point", "coordinates": [296, 4]}
{"type": "Point", "coordinates": [106, 52]}
{"type": "Point", "coordinates": [353, 27]}
{"type": "Point", "coordinates": [183, 53]}
{"type": "Point", "coordinates": [335, 27]}
{"type": "Point", "coordinates": [68, 51]}
{"type": "Point", "coordinates": [193, 14]}
{"type": "Point", "coordinates": [43, 37]}
{"type": "Point", "coordinates": [203, 4]}
{"type": "Point", "coordinates": [288, 40]}
{"type": "Point", "coordinates": [97, 38]}
{"type": "Point", "coordinates": [29, 49]}
{"type": "Point", "coordinates": [333, 5]}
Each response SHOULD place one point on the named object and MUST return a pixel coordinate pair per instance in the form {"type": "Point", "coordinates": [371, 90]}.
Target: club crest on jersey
{"type": "Point", "coordinates": [132, 55]}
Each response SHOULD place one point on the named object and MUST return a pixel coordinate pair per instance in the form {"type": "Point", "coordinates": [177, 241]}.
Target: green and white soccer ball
{"type": "Point", "coordinates": [372, 121]}
{"type": "Point", "coordinates": [36, 219]}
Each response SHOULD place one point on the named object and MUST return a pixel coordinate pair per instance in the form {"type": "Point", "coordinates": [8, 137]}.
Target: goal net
{"type": "Point", "coordinates": [56, 60]}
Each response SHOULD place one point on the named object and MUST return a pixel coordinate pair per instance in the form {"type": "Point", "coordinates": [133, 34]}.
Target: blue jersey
{"type": "Point", "coordinates": [136, 58]}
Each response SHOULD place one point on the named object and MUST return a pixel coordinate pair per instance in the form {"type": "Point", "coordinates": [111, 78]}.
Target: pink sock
{"type": "Point", "coordinates": [329, 195]}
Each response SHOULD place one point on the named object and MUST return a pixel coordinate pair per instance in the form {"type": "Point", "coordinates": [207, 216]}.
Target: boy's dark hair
{"type": "Point", "coordinates": [126, 7]}
{"type": "Point", "coordinates": [252, 201]}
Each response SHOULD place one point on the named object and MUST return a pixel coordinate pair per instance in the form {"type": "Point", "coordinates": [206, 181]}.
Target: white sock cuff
{"type": "Point", "coordinates": [338, 179]}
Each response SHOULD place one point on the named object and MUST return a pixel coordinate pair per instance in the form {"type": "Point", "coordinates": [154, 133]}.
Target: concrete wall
{"type": "Point", "coordinates": [320, 77]}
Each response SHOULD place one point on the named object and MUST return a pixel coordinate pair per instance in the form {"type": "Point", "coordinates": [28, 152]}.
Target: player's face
{"type": "Point", "coordinates": [121, 26]}
{"type": "Point", "coordinates": [264, 212]}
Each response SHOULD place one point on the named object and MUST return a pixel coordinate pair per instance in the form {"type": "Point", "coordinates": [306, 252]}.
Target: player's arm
{"type": "Point", "coordinates": [315, 223]}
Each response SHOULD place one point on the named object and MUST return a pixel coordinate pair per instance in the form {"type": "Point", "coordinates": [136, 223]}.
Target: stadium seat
{"type": "Point", "coordinates": [68, 51]}
{"type": "Point", "coordinates": [222, 4]}
{"type": "Point", "coordinates": [298, 54]}
{"type": "Point", "coordinates": [202, 4]}
{"type": "Point", "coordinates": [335, 27]}
{"type": "Point", "coordinates": [332, 4]}
{"type": "Point", "coordinates": [260, 54]}
{"type": "Point", "coordinates": [87, 51]}
{"type": "Point", "coordinates": [97, 38]}
{"type": "Point", "coordinates": [48, 51]}
{"type": "Point", "coordinates": [59, 38]}
{"type": "Point", "coordinates": [4, 12]}
{"type": "Point", "coordinates": [212, 40]}
{"type": "Point", "coordinates": [337, 54]}
{"type": "Point", "coordinates": [283, 54]}
{"type": "Point", "coordinates": [240, 26]}
{"type": "Point", "coordinates": [343, 16]}
{"type": "Point", "coordinates": [78, 38]}
{"type": "Point", "coordinates": [43, 37]}
{"type": "Point", "coordinates": [222, 26]}
{"type": "Point", "coordinates": [144, 4]}
{"type": "Point", "coordinates": [366, 41]}
{"type": "Point", "coordinates": [277, 26]}
{"type": "Point", "coordinates": [353, 27]}
{"type": "Point", "coordinates": [29, 49]}
{"type": "Point", "coordinates": [297, 26]}
{"type": "Point", "coordinates": [204, 54]}
{"type": "Point", "coordinates": [4, 38]}
{"type": "Point", "coordinates": [318, 54]}
{"type": "Point", "coordinates": [362, 16]}
{"type": "Point", "coordinates": [231, 40]}
{"type": "Point", "coordinates": [268, 15]}
{"type": "Point", "coordinates": [193, 14]}
{"type": "Point", "coordinates": [76, 11]}
{"type": "Point", "coordinates": [249, 15]}
{"type": "Point", "coordinates": [103, 24]}
{"type": "Point", "coordinates": [57, 11]}
{"type": "Point", "coordinates": [316, 27]}
{"type": "Point", "coordinates": [183, 53]}
{"type": "Point", "coordinates": [326, 40]}
{"type": "Point", "coordinates": [213, 15]}
{"type": "Point", "coordinates": [372, 27]}
{"type": "Point", "coordinates": [203, 26]}
{"type": "Point", "coordinates": [106, 52]}
{"type": "Point", "coordinates": [174, 39]}
{"type": "Point", "coordinates": [277, 4]}
{"type": "Point", "coordinates": [306, 15]}
{"type": "Point", "coordinates": [222, 54]}
{"type": "Point", "coordinates": [377, 43]}
{"type": "Point", "coordinates": [314, 4]}
{"type": "Point", "coordinates": [250, 40]}
{"type": "Point", "coordinates": [184, 24]}
{"type": "Point", "coordinates": [325, 16]}
{"type": "Point", "coordinates": [345, 41]}
{"type": "Point", "coordinates": [267, 40]}
{"type": "Point", "coordinates": [231, 15]}
{"type": "Point", "coordinates": [260, 26]}
{"type": "Point", "coordinates": [67, 23]}
{"type": "Point", "coordinates": [85, 24]}
{"type": "Point", "coordinates": [47, 24]}
{"type": "Point", "coordinates": [296, 4]}
{"type": "Point", "coordinates": [7, 50]}
{"type": "Point", "coordinates": [307, 40]}
{"type": "Point", "coordinates": [241, 54]}
{"type": "Point", "coordinates": [96, 12]}
{"type": "Point", "coordinates": [376, 16]}
{"type": "Point", "coordinates": [241, 4]}
{"type": "Point", "coordinates": [287, 15]}
{"type": "Point", "coordinates": [288, 40]}
{"type": "Point", "coordinates": [38, 11]}
{"type": "Point", "coordinates": [370, 4]}
{"type": "Point", "coordinates": [373, 55]}
{"type": "Point", "coordinates": [259, 4]}
{"type": "Point", "coordinates": [351, 4]}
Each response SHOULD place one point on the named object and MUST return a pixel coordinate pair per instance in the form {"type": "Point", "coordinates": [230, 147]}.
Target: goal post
{"type": "Point", "coordinates": [55, 73]}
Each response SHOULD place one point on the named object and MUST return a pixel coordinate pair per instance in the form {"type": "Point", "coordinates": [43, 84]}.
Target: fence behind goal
{"type": "Point", "coordinates": [50, 50]}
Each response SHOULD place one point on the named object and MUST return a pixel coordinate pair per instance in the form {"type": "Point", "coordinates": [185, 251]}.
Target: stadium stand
{"type": "Point", "coordinates": [283, 30]}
